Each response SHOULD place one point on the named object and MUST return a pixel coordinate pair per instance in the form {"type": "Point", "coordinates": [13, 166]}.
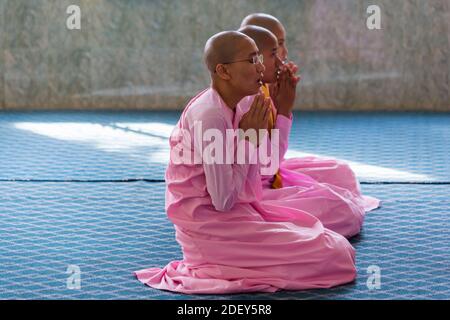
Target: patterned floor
{"type": "Point", "coordinates": [395, 147]}
{"type": "Point", "coordinates": [67, 198]}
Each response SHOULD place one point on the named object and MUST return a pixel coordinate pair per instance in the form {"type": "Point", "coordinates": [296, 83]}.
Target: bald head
{"type": "Point", "coordinates": [263, 38]}
{"type": "Point", "coordinates": [224, 47]}
{"type": "Point", "coordinates": [262, 20]}
{"type": "Point", "coordinates": [273, 25]}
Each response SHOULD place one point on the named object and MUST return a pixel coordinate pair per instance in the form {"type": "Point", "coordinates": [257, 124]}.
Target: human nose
{"type": "Point", "coordinates": [285, 52]}
{"type": "Point", "coordinates": [278, 61]}
{"type": "Point", "coordinates": [282, 52]}
{"type": "Point", "coordinates": [260, 67]}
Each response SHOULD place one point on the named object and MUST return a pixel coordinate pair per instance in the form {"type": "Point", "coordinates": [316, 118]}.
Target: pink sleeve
{"type": "Point", "coordinates": [284, 125]}
{"type": "Point", "coordinates": [229, 183]}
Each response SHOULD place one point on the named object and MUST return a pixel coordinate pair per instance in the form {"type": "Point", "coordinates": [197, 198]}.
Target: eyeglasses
{"type": "Point", "coordinates": [254, 59]}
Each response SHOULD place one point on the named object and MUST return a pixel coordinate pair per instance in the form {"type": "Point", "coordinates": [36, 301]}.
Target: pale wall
{"type": "Point", "coordinates": [141, 54]}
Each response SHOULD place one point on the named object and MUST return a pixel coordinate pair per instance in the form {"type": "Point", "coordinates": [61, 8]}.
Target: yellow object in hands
{"type": "Point", "coordinates": [271, 122]}
{"type": "Point", "coordinates": [277, 182]}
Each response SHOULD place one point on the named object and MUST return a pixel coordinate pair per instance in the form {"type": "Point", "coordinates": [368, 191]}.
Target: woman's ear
{"type": "Point", "coordinates": [222, 72]}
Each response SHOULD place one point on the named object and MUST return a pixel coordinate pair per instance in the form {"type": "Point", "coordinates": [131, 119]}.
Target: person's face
{"type": "Point", "coordinates": [272, 62]}
{"type": "Point", "coordinates": [245, 76]}
{"type": "Point", "coordinates": [280, 33]}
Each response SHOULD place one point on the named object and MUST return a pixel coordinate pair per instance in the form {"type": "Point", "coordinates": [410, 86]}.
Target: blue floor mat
{"type": "Point", "coordinates": [84, 146]}
{"type": "Point", "coordinates": [110, 229]}
{"type": "Point", "coordinates": [396, 147]}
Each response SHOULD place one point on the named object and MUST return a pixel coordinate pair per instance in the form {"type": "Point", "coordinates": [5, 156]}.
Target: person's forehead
{"type": "Point", "coordinates": [272, 42]}
{"type": "Point", "coordinates": [278, 31]}
{"type": "Point", "coordinates": [269, 44]}
{"type": "Point", "coordinates": [248, 47]}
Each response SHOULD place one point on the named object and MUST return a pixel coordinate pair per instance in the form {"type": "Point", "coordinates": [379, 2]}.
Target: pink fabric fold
{"type": "Point", "coordinates": [238, 235]}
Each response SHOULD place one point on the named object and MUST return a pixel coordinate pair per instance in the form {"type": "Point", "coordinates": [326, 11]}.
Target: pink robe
{"type": "Point", "coordinates": [236, 235]}
{"type": "Point", "coordinates": [327, 188]}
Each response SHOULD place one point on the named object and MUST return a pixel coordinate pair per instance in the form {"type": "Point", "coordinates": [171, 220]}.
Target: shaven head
{"type": "Point", "coordinates": [268, 47]}
{"type": "Point", "coordinates": [263, 38]}
{"type": "Point", "coordinates": [229, 56]}
{"type": "Point", "coordinates": [262, 20]}
{"type": "Point", "coordinates": [273, 25]}
{"type": "Point", "coordinates": [223, 47]}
